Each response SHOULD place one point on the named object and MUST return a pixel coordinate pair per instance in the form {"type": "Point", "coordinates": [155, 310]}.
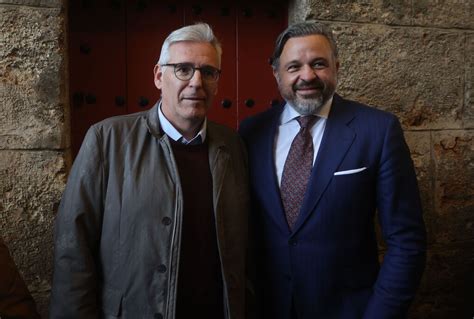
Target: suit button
{"type": "Point", "coordinates": [166, 221]}
{"type": "Point", "coordinates": [293, 242]}
{"type": "Point", "coordinates": [162, 268]}
{"type": "Point", "coordinates": [158, 316]}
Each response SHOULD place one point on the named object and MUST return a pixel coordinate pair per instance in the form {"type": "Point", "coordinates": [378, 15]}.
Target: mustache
{"type": "Point", "coordinates": [314, 84]}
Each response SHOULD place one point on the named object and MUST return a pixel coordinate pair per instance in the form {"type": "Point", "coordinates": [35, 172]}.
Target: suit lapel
{"type": "Point", "coordinates": [337, 139]}
{"type": "Point", "coordinates": [265, 171]}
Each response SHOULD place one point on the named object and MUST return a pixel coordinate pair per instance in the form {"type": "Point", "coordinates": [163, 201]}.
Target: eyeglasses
{"type": "Point", "coordinates": [185, 71]}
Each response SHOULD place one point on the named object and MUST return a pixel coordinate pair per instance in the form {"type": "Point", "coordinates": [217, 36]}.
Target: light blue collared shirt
{"type": "Point", "coordinates": [174, 134]}
{"type": "Point", "coordinates": [288, 129]}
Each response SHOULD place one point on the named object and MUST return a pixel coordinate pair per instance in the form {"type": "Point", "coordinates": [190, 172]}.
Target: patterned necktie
{"type": "Point", "coordinates": [297, 169]}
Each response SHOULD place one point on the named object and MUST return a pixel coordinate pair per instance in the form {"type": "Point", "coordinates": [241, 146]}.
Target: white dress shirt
{"type": "Point", "coordinates": [289, 127]}
{"type": "Point", "coordinates": [174, 134]}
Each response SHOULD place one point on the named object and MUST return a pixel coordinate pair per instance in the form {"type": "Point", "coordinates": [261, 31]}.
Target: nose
{"type": "Point", "coordinates": [307, 73]}
{"type": "Point", "coordinates": [196, 80]}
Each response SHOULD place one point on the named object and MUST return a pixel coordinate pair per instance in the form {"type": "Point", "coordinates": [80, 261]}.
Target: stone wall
{"type": "Point", "coordinates": [33, 134]}
{"type": "Point", "coordinates": [411, 57]}
{"type": "Point", "coordinates": [415, 58]}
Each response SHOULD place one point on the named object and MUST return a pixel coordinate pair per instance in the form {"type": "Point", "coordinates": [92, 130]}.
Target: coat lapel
{"type": "Point", "coordinates": [218, 161]}
{"type": "Point", "coordinates": [337, 139]}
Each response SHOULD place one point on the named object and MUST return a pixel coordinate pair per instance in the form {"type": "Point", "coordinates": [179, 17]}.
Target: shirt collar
{"type": "Point", "coordinates": [174, 134]}
{"type": "Point", "coordinates": [289, 113]}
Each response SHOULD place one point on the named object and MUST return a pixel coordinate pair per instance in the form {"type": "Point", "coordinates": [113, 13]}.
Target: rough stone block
{"type": "Point", "coordinates": [32, 81]}
{"type": "Point", "coordinates": [35, 3]}
{"type": "Point", "coordinates": [430, 13]}
{"type": "Point", "coordinates": [415, 73]}
{"type": "Point", "coordinates": [468, 117]}
{"type": "Point", "coordinates": [298, 10]}
{"type": "Point", "coordinates": [447, 286]}
{"type": "Point", "coordinates": [446, 14]}
{"type": "Point", "coordinates": [31, 184]}
{"type": "Point", "coordinates": [387, 12]}
{"type": "Point", "coordinates": [453, 153]}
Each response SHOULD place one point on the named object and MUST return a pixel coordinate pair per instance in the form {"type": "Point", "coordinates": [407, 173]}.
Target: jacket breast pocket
{"type": "Point", "coordinates": [111, 303]}
{"type": "Point", "coordinates": [350, 195]}
{"type": "Point", "coordinates": [352, 179]}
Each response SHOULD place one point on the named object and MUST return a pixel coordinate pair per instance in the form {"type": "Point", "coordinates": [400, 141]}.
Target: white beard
{"type": "Point", "coordinates": [307, 106]}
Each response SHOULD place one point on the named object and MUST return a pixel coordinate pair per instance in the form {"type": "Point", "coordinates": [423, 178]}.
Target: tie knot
{"type": "Point", "coordinates": [306, 121]}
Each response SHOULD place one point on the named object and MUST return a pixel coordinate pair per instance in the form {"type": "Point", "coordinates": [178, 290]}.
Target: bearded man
{"type": "Point", "coordinates": [320, 168]}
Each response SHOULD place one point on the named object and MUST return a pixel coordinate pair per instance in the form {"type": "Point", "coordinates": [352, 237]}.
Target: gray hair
{"type": "Point", "coordinates": [310, 27]}
{"type": "Point", "coordinates": [199, 32]}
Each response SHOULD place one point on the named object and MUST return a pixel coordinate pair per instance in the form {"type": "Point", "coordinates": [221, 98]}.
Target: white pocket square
{"type": "Point", "coordinates": [350, 171]}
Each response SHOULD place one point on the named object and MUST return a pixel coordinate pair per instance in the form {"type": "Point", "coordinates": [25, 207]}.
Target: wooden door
{"type": "Point", "coordinates": [114, 45]}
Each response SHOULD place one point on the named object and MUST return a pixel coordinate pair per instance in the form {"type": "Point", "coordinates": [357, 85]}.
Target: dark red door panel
{"type": "Point", "coordinates": [148, 24]}
{"type": "Point", "coordinates": [115, 44]}
{"type": "Point", "coordinates": [259, 24]}
{"type": "Point", "coordinates": [96, 70]}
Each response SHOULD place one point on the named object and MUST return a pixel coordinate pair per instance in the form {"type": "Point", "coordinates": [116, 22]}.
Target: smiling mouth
{"type": "Point", "coordinates": [309, 90]}
{"type": "Point", "coordinates": [194, 98]}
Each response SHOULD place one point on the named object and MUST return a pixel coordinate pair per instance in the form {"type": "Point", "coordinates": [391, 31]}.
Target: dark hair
{"type": "Point", "coordinates": [301, 29]}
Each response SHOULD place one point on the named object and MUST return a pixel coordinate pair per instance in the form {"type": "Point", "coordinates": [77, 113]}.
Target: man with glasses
{"type": "Point", "coordinates": [153, 221]}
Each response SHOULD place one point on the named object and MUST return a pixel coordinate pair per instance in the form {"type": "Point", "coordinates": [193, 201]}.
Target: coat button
{"type": "Point", "coordinates": [158, 316]}
{"type": "Point", "coordinates": [293, 242]}
{"type": "Point", "coordinates": [162, 268]}
{"type": "Point", "coordinates": [166, 221]}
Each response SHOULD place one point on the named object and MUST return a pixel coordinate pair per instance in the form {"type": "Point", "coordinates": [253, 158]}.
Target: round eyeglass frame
{"type": "Point", "coordinates": [216, 72]}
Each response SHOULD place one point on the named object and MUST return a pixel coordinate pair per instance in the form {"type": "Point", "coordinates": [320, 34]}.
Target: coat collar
{"type": "Point", "coordinates": [218, 153]}
{"type": "Point", "coordinates": [155, 128]}
{"type": "Point", "coordinates": [153, 125]}
{"type": "Point", "coordinates": [153, 121]}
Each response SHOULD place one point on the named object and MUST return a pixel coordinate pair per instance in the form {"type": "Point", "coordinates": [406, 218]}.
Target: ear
{"type": "Point", "coordinates": [158, 76]}
{"type": "Point", "coordinates": [275, 73]}
{"type": "Point", "coordinates": [337, 65]}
